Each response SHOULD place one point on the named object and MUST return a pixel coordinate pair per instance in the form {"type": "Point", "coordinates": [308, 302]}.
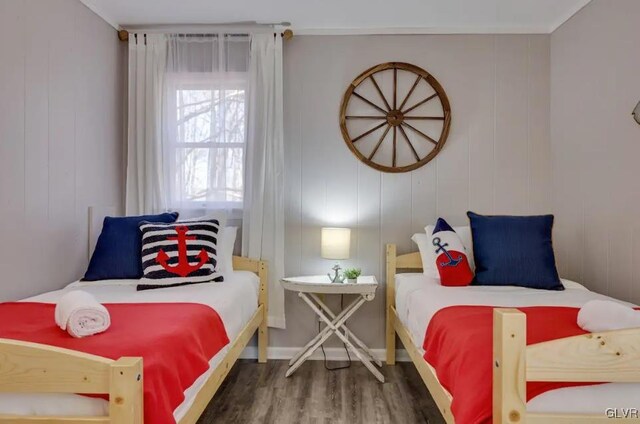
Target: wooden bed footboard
{"type": "Point", "coordinates": [608, 357]}
{"type": "Point", "coordinates": [598, 357]}
{"type": "Point", "coordinates": [36, 368]}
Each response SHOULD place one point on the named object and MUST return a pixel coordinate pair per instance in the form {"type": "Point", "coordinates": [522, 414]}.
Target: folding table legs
{"type": "Point", "coordinates": [333, 325]}
{"type": "Point", "coordinates": [318, 336]}
{"type": "Point", "coordinates": [348, 333]}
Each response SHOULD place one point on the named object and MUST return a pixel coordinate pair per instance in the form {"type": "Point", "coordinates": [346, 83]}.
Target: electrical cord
{"type": "Point", "coordinates": [343, 344]}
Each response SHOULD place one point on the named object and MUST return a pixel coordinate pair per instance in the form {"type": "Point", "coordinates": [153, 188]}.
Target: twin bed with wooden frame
{"type": "Point", "coordinates": [36, 368]}
{"type": "Point", "coordinates": [598, 357]}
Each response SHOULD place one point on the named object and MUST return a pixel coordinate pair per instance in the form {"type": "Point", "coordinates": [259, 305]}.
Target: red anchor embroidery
{"type": "Point", "coordinates": [183, 268]}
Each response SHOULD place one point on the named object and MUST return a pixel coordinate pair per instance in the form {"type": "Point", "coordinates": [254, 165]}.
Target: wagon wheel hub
{"type": "Point", "coordinates": [395, 118]}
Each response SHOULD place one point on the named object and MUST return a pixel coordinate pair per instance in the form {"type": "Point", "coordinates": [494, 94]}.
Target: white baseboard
{"type": "Point", "coordinates": [333, 353]}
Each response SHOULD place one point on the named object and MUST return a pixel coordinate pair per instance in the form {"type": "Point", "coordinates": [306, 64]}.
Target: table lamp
{"type": "Point", "coordinates": [335, 244]}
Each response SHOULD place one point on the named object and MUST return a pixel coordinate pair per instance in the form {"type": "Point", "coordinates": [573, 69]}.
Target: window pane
{"type": "Point", "coordinates": [230, 108]}
{"type": "Point", "coordinates": [194, 116]}
{"type": "Point", "coordinates": [209, 174]}
{"type": "Point", "coordinates": [202, 111]}
{"type": "Point", "coordinates": [234, 180]}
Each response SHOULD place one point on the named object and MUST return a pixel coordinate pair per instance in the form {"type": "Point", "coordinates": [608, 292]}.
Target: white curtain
{"type": "Point", "coordinates": [263, 217]}
{"type": "Point", "coordinates": [147, 59]}
{"type": "Point", "coordinates": [205, 132]}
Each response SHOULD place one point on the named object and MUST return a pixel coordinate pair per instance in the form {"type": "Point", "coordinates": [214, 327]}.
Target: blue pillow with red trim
{"type": "Point", "coordinates": [451, 257]}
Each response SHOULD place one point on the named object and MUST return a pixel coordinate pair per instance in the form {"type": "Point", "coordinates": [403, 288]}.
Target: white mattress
{"type": "Point", "coordinates": [235, 300]}
{"type": "Point", "coordinates": [419, 297]}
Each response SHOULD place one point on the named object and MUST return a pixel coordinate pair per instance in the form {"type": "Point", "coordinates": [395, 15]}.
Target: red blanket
{"type": "Point", "coordinates": [176, 341]}
{"type": "Point", "coordinates": [459, 346]}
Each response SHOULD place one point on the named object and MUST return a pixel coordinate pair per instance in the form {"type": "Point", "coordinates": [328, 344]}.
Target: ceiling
{"type": "Point", "coordinates": [350, 16]}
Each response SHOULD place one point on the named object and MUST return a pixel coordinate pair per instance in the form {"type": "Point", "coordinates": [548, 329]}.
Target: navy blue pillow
{"type": "Point", "coordinates": [118, 251]}
{"type": "Point", "coordinates": [514, 251]}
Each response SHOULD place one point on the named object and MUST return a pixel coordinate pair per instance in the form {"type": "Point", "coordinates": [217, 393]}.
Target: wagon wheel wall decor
{"type": "Point", "coordinates": [395, 117]}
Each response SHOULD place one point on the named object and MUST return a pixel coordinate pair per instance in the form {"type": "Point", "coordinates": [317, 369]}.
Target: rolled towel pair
{"type": "Point", "coordinates": [81, 315]}
{"type": "Point", "coordinates": [604, 315]}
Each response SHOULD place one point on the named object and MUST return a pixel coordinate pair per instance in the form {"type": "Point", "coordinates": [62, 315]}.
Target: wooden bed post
{"type": "Point", "coordinates": [391, 302]}
{"type": "Point", "coordinates": [126, 391]}
{"type": "Point", "coordinates": [509, 353]}
{"type": "Point", "coordinates": [263, 331]}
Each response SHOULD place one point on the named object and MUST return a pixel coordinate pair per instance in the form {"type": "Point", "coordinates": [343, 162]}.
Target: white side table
{"type": "Point", "coordinates": [308, 289]}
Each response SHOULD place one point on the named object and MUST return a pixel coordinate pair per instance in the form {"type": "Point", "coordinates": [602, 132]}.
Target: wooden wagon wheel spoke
{"type": "Point", "coordinates": [368, 132]}
{"type": "Point", "coordinates": [420, 103]}
{"type": "Point", "coordinates": [369, 102]}
{"type": "Point", "coordinates": [393, 113]}
{"type": "Point", "coordinates": [426, 118]}
{"type": "Point", "coordinates": [366, 117]}
{"type": "Point", "coordinates": [395, 87]}
{"type": "Point", "coordinates": [395, 145]}
{"type": "Point", "coordinates": [404, 134]}
{"type": "Point", "coordinates": [375, 84]}
{"type": "Point", "coordinates": [413, 87]}
{"type": "Point", "coordinates": [375, 149]}
{"type": "Point", "coordinates": [420, 133]}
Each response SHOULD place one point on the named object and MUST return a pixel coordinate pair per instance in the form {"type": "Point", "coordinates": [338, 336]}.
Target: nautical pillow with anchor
{"type": "Point", "coordinates": [451, 258]}
{"type": "Point", "coordinates": [179, 254]}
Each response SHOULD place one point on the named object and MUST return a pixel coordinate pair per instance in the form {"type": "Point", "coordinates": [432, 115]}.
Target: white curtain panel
{"type": "Point", "coordinates": [263, 217]}
{"type": "Point", "coordinates": [147, 59]}
{"type": "Point", "coordinates": [205, 132]}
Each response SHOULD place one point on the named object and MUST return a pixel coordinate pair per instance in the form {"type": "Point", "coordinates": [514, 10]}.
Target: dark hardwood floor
{"type": "Point", "coordinates": [260, 393]}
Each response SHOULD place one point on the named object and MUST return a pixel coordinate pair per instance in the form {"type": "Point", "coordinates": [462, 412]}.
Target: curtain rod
{"type": "Point", "coordinates": [287, 34]}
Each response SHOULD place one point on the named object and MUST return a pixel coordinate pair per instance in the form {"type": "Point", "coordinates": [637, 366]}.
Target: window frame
{"type": "Point", "coordinates": [203, 81]}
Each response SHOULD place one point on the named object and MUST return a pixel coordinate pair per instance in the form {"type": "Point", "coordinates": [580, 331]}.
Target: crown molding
{"type": "Point", "coordinates": [424, 30]}
{"type": "Point", "coordinates": [563, 19]}
{"type": "Point", "coordinates": [93, 6]}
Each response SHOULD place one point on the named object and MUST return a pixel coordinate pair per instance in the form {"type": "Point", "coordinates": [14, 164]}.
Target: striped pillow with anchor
{"type": "Point", "coordinates": [180, 253]}
{"type": "Point", "coordinates": [451, 257]}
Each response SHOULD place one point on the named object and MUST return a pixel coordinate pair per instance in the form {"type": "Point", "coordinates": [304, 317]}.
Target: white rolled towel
{"type": "Point", "coordinates": [604, 315]}
{"type": "Point", "coordinates": [80, 314]}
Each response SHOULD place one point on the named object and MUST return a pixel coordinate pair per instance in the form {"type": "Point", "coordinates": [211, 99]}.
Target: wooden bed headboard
{"type": "Point", "coordinates": [410, 261]}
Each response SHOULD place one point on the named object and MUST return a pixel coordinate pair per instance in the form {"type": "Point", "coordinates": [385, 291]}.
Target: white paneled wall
{"type": "Point", "coordinates": [61, 97]}
{"type": "Point", "coordinates": [596, 146]}
{"type": "Point", "coordinates": [497, 158]}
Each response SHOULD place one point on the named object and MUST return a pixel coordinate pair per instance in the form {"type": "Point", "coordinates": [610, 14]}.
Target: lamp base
{"type": "Point", "coordinates": [337, 278]}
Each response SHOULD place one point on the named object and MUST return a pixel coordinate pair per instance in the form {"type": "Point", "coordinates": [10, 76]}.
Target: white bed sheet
{"type": "Point", "coordinates": [235, 300]}
{"type": "Point", "coordinates": [419, 297]}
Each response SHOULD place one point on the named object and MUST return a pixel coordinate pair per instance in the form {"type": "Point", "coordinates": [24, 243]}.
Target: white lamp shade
{"type": "Point", "coordinates": [335, 243]}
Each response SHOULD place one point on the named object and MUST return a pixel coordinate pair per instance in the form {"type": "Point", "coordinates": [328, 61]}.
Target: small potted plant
{"type": "Point", "coordinates": [352, 275]}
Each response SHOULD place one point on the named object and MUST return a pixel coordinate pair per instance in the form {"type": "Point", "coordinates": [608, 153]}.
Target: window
{"type": "Point", "coordinates": [206, 129]}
